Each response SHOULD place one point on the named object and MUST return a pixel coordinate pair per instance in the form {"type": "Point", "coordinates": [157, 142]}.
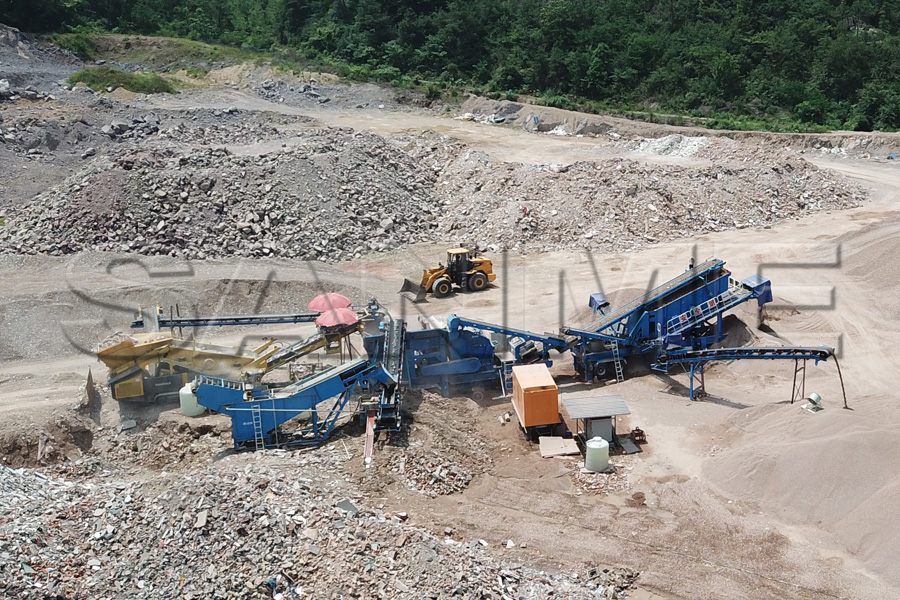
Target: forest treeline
{"type": "Point", "coordinates": [825, 62]}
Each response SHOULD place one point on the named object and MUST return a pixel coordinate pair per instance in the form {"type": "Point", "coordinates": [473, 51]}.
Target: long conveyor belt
{"type": "Point", "coordinates": [170, 321]}
{"type": "Point", "coordinates": [816, 353]}
{"type": "Point", "coordinates": [554, 340]}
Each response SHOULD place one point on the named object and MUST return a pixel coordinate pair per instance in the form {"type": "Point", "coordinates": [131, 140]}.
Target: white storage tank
{"type": "Point", "coordinates": [596, 455]}
{"type": "Point", "coordinates": [189, 405]}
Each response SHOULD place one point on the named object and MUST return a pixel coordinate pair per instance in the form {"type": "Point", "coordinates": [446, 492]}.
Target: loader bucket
{"type": "Point", "coordinates": [413, 291]}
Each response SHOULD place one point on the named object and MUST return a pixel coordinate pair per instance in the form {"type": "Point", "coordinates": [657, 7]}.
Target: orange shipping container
{"type": "Point", "coordinates": [535, 395]}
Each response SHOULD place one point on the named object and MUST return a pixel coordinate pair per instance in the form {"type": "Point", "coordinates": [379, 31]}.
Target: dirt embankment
{"type": "Point", "coordinates": [545, 119]}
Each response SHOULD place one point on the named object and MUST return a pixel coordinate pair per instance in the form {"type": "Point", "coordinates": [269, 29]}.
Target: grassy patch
{"type": "Point", "coordinates": [170, 54]}
{"type": "Point", "coordinates": [80, 44]}
{"type": "Point", "coordinates": [714, 120]}
{"type": "Point", "coordinates": [99, 78]}
{"type": "Point", "coordinates": [196, 72]}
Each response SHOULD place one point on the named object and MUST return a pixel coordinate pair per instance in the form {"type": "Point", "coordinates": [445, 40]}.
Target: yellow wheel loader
{"type": "Point", "coordinates": [464, 270]}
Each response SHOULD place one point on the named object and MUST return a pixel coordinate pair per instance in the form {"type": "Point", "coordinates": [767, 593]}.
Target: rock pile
{"type": "Point", "coordinates": [139, 128]}
{"type": "Point", "coordinates": [7, 92]}
{"type": "Point", "coordinates": [336, 195]}
{"type": "Point", "coordinates": [277, 90]}
{"type": "Point", "coordinates": [244, 530]}
{"type": "Point", "coordinates": [620, 204]}
{"type": "Point", "coordinates": [231, 134]}
{"type": "Point", "coordinates": [430, 472]}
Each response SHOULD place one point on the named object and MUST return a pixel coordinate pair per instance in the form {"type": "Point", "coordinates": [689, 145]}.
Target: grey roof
{"type": "Point", "coordinates": [595, 407]}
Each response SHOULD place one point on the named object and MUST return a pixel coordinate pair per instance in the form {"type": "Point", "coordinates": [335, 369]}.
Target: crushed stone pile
{"type": "Point", "coordinates": [243, 529]}
{"type": "Point", "coordinates": [621, 204]}
{"type": "Point", "coordinates": [335, 194]}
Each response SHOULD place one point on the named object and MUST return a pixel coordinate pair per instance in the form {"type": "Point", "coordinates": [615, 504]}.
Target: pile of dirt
{"type": "Point", "coordinates": [62, 439]}
{"type": "Point", "coordinates": [823, 469]}
{"type": "Point", "coordinates": [170, 445]}
{"type": "Point", "coordinates": [441, 451]}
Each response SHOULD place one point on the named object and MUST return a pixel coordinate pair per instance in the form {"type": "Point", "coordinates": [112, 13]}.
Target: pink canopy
{"type": "Point", "coordinates": [329, 301]}
{"type": "Point", "coordinates": [337, 316]}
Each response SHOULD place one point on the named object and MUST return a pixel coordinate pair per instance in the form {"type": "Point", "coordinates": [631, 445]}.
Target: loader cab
{"type": "Point", "coordinates": [458, 262]}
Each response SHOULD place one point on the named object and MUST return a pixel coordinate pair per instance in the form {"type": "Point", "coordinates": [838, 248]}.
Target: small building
{"type": "Point", "coordinates": [597, 414]}
{"type": "Point", "coordinates": [535, 396]}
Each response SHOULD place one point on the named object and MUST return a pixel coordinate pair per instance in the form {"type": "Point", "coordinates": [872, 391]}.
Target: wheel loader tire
{"type": "Point", "coordinates": [442, 288]}
{"type": "Point", "coordinates": [477, 282]}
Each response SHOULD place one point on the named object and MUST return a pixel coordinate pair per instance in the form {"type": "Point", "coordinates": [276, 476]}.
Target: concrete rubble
{"type": "Point", "coordinates": [614, 482]}
{"type": "Point", "coordinates": [241, 529]}
{"type": "Point", "coordinates": [335, 194]}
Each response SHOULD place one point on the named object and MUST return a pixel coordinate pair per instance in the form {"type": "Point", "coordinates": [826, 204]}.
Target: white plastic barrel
{"type": "Point", "coordinates": [596, 455]}
{"type": "Point", "coordinates": [189, 405]}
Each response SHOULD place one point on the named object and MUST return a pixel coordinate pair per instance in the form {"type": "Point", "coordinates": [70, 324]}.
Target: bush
{"type": "Point", "coordinates": [99, 78]}
{"type": "Point", "coordinates": [80, 44]}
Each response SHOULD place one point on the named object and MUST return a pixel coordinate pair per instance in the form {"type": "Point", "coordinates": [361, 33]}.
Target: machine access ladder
{"type": "Point", "coordinates": [506, 376]}
{"type": "Point", "coordinates": [617, 362]}
{"type": "Point", "coordinates": [259, 439]}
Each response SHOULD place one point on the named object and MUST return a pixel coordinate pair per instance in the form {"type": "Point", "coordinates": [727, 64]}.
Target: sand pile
{"type": "Point", "coordinates": [837, 470]}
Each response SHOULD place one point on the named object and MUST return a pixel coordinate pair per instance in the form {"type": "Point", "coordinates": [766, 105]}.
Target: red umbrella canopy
{"type": "Point", "coordinates": [328, 301]}
{"type": "Point", "coordinates": [337, 316]}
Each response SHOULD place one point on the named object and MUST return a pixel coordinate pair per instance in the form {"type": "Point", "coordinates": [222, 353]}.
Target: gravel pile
{"type": "Point", "coordinates": [245, 529]}
{"type": "Point", "coordinates": [620, 204]}
{"type": "Point", "coordinates": [336, 195]}
{"type": "Point", "coordinates": [166, 183]}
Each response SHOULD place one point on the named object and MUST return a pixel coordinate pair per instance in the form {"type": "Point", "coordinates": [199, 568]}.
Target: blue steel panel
{"type": "Point", "coordinates": [762, 288]}
{"type": "Point", "coordinates": [597, 301]}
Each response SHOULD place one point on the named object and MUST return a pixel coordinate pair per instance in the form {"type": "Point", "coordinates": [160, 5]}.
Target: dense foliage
{"type": "Point", "coordinates": [819, 61]}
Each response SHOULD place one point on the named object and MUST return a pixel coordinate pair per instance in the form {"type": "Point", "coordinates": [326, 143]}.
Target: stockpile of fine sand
{"type": "Point", "coordinates": [838, 470]}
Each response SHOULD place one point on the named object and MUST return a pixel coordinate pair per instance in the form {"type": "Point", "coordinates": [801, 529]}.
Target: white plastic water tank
{"type": "Point", "coordinates": [189, 405]}
{"type": "Point", "coordinates": [596, 455]}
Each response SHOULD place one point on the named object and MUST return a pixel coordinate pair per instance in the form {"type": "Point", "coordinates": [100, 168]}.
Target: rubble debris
{"type": "Point", "coordinates": [335, 194]}
{"type": "Point", "coordinates": [614, 481]}
{"type": "Point", "coordinates": [213, 533]}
